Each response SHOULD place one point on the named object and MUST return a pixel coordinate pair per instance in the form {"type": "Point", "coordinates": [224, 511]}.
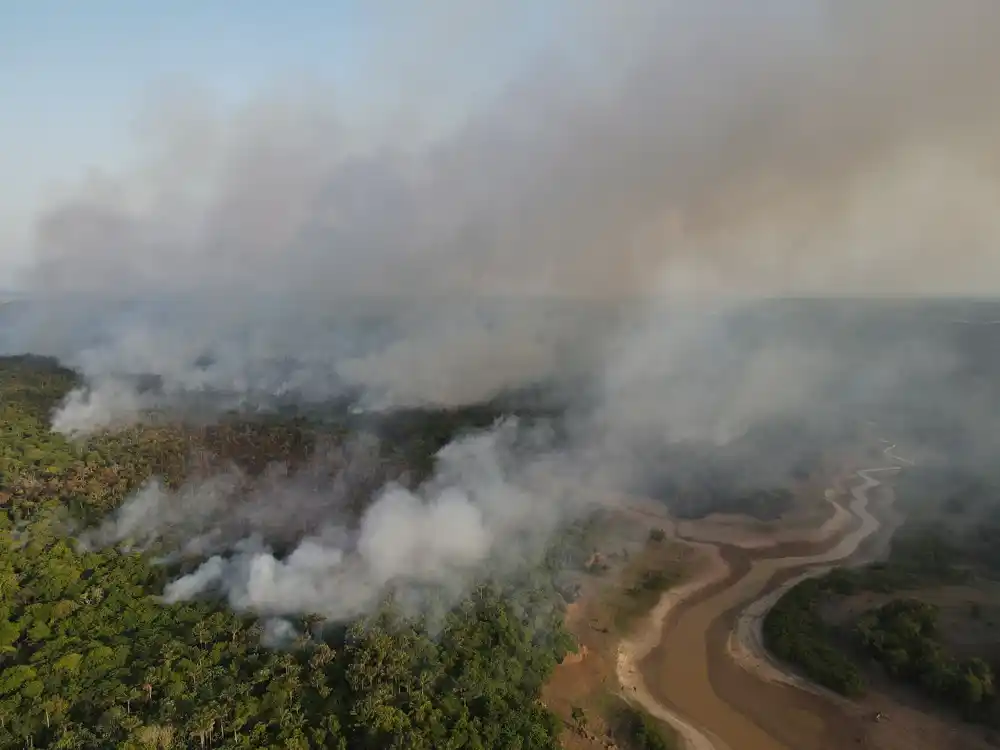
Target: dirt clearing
{"type": "Point", "coordinates": [583, 691]}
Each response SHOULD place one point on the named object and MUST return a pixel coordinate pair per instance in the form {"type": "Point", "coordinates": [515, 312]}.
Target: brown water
{"type": "Point", "coordinates": [691, 672]}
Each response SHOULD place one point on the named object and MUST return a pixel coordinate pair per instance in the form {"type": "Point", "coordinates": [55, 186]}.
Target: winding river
{"type": "Point", "coordinates": [685, 692]}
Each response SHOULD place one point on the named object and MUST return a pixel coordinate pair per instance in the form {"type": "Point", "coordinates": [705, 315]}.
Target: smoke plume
{"type": "Point", "coordinates": [436, 539]}
{"type": "Point", "coordinates": [609, 220]}
{"type": "Point", "coordinates": [788, 148]}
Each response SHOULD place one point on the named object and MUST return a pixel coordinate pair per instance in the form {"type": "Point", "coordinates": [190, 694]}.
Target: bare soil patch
{"type": "Point", "coordinates": [583, 691]}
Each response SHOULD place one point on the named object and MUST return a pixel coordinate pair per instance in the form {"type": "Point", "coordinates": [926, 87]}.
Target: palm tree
{"type": "Point", "coordinates": [203, 723]}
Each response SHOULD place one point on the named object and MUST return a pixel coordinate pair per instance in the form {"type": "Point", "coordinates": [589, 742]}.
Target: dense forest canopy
{"type": "Point", "coordinates": [92, 658]}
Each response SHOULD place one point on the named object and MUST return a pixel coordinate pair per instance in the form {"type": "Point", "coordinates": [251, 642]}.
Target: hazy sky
{"type": "Point", "coordinates": [75, 78]}
{"type": "Point", "coordinates": [572, 147]}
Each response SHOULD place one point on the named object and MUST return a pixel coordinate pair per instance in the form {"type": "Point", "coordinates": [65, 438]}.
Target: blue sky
{"type": "Point", "coordinates": [73, 75]}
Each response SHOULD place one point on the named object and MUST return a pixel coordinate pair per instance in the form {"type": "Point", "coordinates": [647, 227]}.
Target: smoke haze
{"type": "Point", "coordinates": [791, 148]}
{"type": "Point", "coordinates": [610, 222]}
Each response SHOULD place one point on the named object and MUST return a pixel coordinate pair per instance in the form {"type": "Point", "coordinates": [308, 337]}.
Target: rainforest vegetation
{"type": "Point", "coordinates": [901, 637]}
{"type": "Point", "coordinates": [91, 658]}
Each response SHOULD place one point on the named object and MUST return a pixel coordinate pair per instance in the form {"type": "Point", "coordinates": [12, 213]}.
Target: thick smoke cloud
{"type": "Point", "coordinates": [787, 147]}
{"type": "Point", "coordinates": [434, 541]}
{"type": "Point", "coordinates": [722, 153]}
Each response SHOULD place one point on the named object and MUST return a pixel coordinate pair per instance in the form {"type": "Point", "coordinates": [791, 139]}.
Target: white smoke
{"type": "Point", "coordinates": [789, 148]}
{"type": "Point", "coordinates": [483, 513]}
{"type": "Point", "coordinates": [729, 152]}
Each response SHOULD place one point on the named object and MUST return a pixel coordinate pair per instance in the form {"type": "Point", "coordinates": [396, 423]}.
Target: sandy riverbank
{"type": "Point", "coordinates": [677, 657]}
{"type": "Point", "coordinates": [746, 643]}
{"type": "Point", "coordinates": [647, 636]}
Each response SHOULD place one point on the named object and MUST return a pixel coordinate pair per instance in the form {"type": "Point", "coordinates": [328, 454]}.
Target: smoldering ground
{"type": "Point", "coordinates": [726, 153]}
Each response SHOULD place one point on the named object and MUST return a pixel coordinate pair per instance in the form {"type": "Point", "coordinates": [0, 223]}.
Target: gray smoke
{"type": "Point", "coordinates": [484, 506]}
{"type": "Point", "coordinates": [791, 147]}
